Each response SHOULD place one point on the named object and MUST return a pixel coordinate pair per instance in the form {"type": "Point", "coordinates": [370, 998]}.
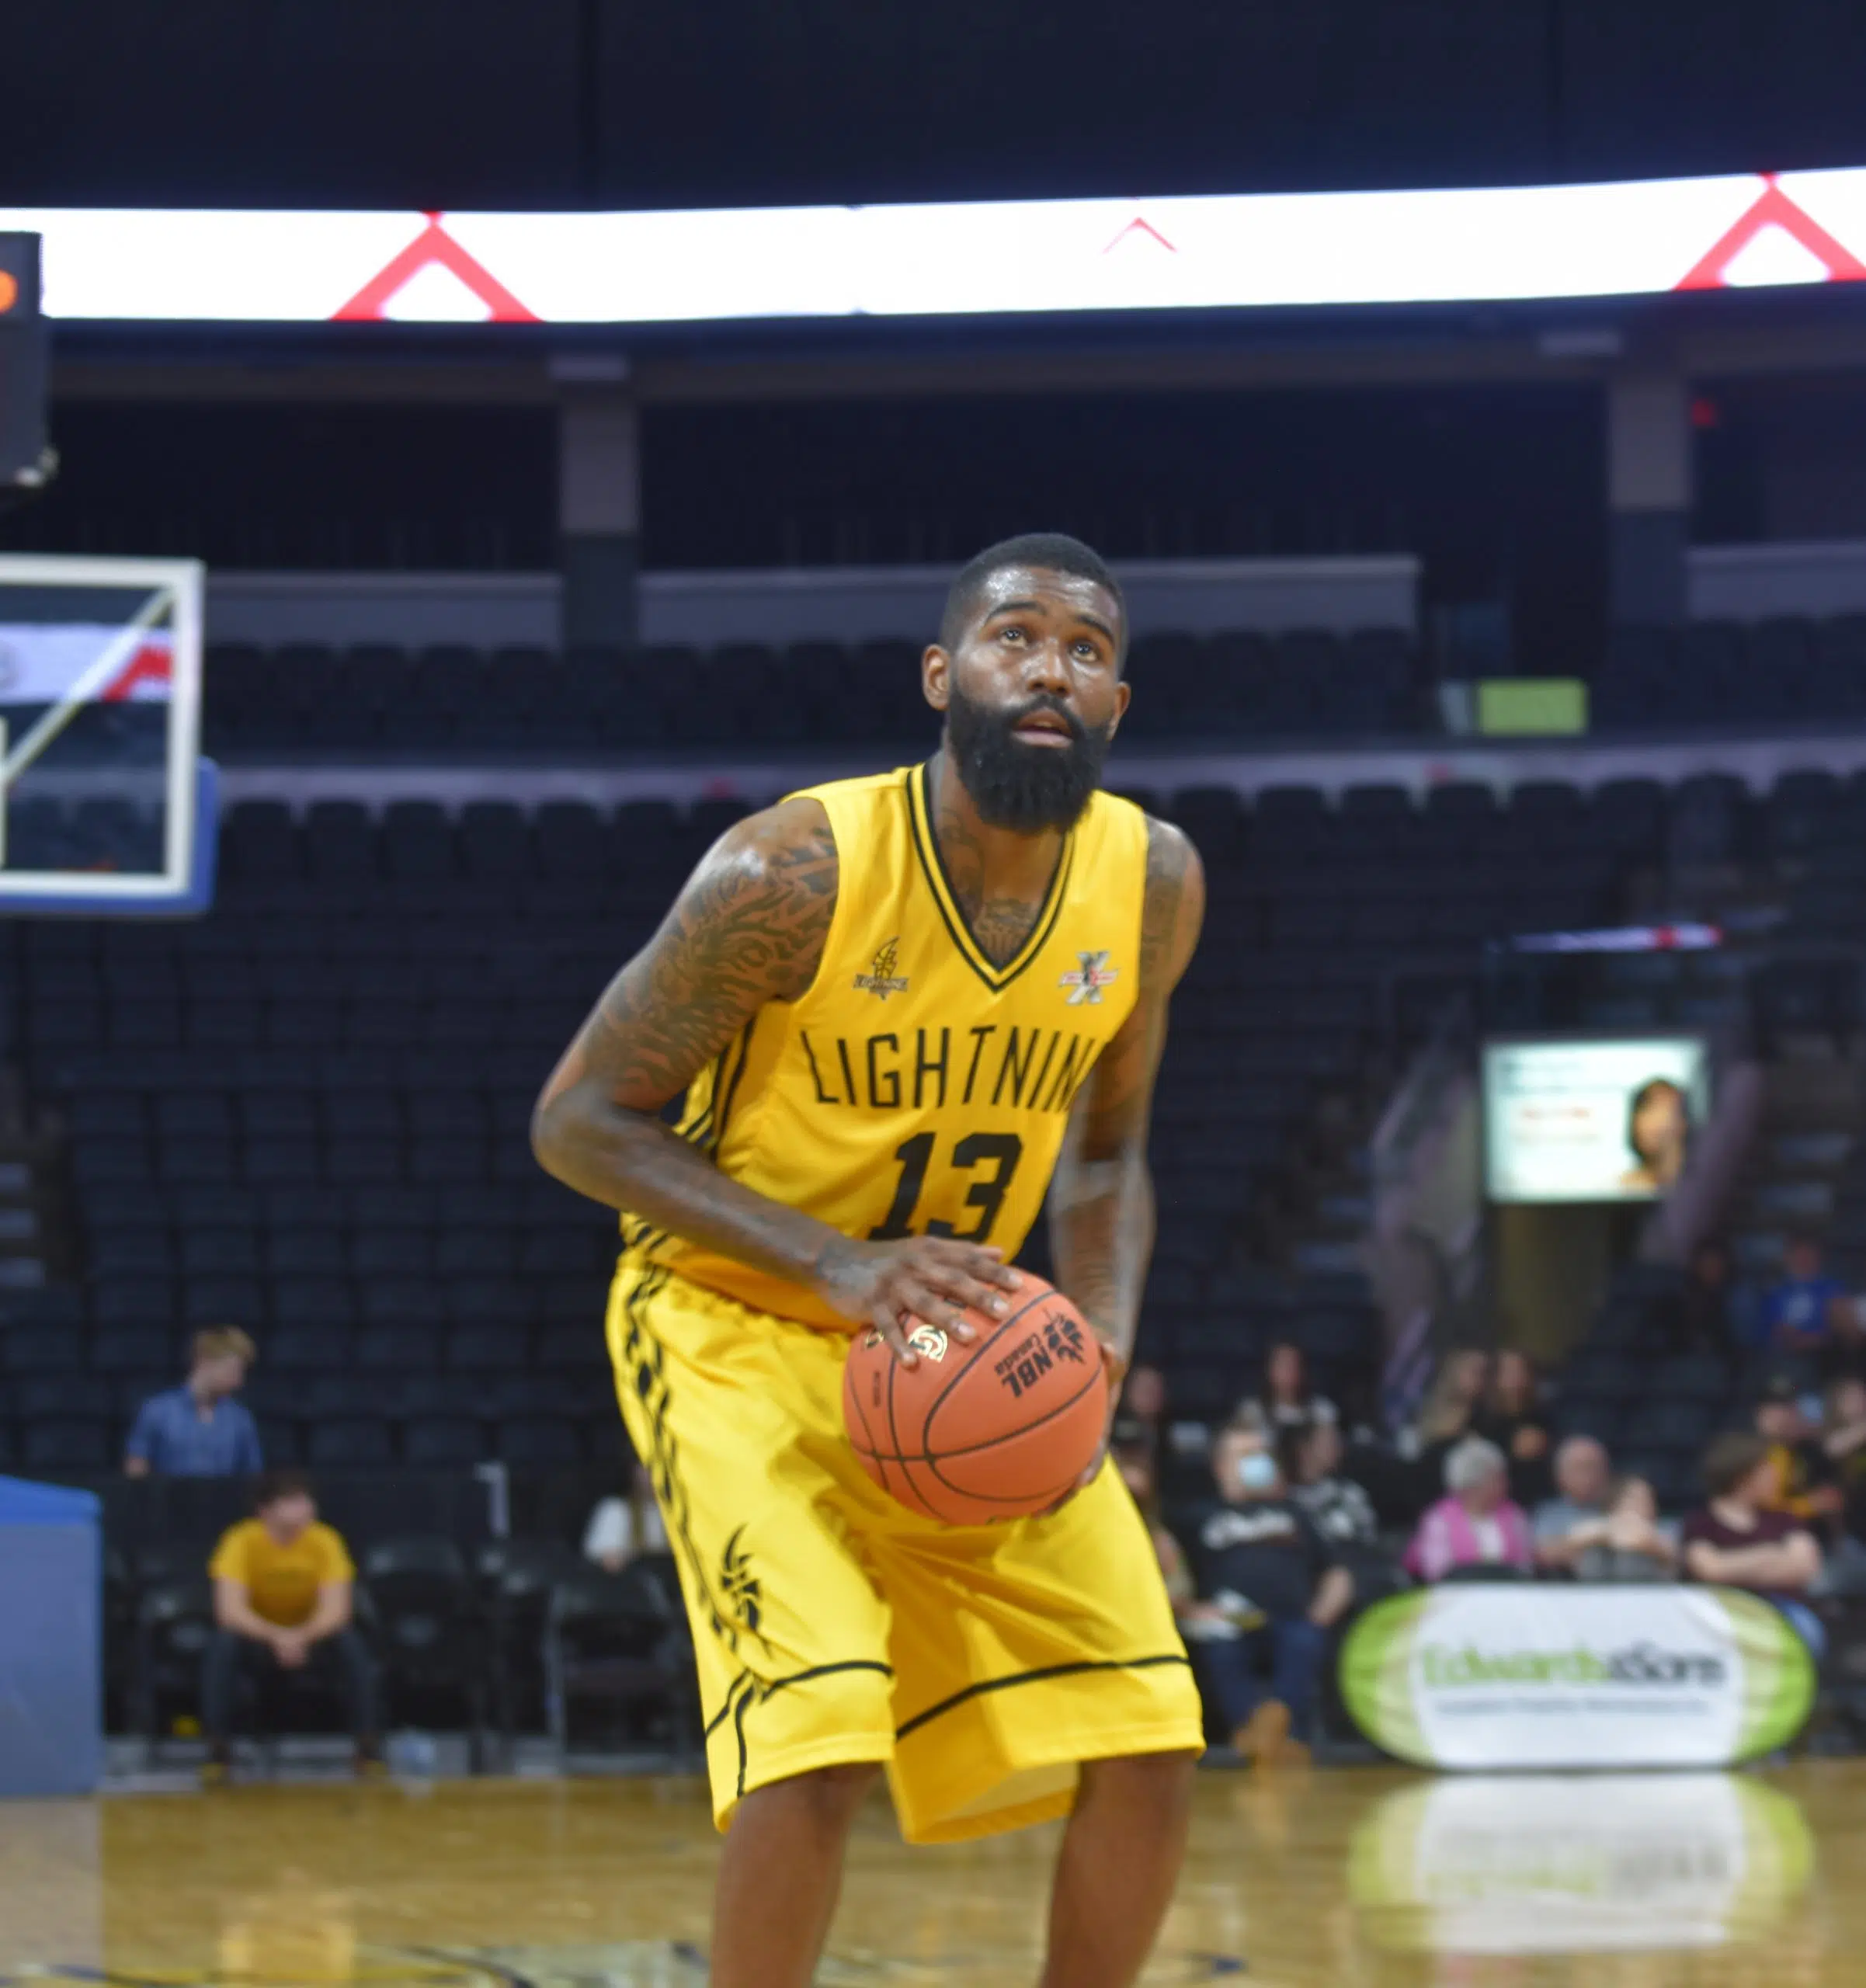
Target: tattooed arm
{"type": "Point", "coordinates": [748, 929]}
{"type": "Point", "coordinates": [1101, 1198]}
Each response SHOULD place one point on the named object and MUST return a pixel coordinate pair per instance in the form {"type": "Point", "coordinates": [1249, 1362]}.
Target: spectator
{"type": "Point", "coordinates": [1511, 1417]}
{"type": "Point", "coordinates": [1844, 1443]}
{"type": "Point", "coordinates": [624, 1526]}
{"type": "Point", "coordinates": [1143, 1398]}
{"type": "Point", "coordinates": [1445, 1418]}
{"type": "Point", "coordinates": [1845, 1440]}
{"type": "Point", "coordinates": [1737, 1541]}
{"type": "Point", "coordinates": [1565, 1523]}
{"type": "Point", "coordinates": [282, 1591]}
{"type": "Point", "coordinates": [1181, 1451]}
{"type": "Point", "coordinates": [1287, 1400]}
{"type": "Point", "coordinates": [1710, 1317]}
{"type": "Point", "coordinates": [1805, 1485]}
{"type": "Point", "coordinates": [1339, 1509]}
{"type": "Point", "coordinates": [198, 1429]}
{"type": "Point", "coordinates": [1135, 1462]}
{"type": "Point", "coordinates": [1454, 1398]}
{"type": "Point", "coordinates": [1808, 1311]}
{"type": "Point", "coordinates": [1271, 1587]}
{"type": "Point", "coordinates": [1475, 1525]}
{"type": "Point", "coordinates": [1630, 1542]}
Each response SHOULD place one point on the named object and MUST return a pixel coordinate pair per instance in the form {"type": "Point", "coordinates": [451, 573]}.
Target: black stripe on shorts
{"type": "Point", "coordinates": [1032, 1677]}
{"type": "Point", "coordinates": [759, 1693]}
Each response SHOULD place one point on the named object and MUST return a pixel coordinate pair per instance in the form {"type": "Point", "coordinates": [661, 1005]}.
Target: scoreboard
{"type": "Point", "coordinates": [25, 461]}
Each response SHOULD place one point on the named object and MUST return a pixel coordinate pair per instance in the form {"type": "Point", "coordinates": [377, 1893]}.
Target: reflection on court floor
{"type": "Point", "coordinates": [1526, 1865]}
{"type": "Point", "coordinates": [625, 1964]}
{"type": "Point", "coordinates": [1376, 1878]}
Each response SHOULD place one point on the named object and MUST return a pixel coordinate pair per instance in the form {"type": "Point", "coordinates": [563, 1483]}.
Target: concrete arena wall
{"type": "Point", "coordinates": [839, 604]}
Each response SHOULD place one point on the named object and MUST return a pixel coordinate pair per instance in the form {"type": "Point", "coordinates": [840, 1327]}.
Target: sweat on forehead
{"type": "Point", "coordinates": [1034, 553]}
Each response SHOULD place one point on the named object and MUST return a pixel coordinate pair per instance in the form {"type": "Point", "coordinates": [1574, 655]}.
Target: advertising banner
{"type": "Point", "coordinates": [1525, 1676]}
{"type": "Point", "coordinates": [1591, 1120]}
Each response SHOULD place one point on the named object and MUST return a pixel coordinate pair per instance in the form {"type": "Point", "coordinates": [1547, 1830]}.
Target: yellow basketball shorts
{"type": "Point", "coordinates": [981, 1664]}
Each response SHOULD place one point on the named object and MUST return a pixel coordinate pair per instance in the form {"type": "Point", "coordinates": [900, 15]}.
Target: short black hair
{"type": "Point", "coordinates": [1054, 551]}
{"type": "Point", "coordinates": [276, 1484]}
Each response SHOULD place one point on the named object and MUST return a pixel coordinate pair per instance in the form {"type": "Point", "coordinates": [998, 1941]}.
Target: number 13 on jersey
{"type": "Point", "coordinates": [992, 1157]}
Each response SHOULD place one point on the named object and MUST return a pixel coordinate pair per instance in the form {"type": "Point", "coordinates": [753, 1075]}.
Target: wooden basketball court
{"type": "Point", "coordinates": [1350, 1877]}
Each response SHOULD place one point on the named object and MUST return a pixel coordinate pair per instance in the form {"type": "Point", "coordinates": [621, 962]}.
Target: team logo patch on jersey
{"type": "Point", "coordinates": [1085, 984]}
{"type": "Point", "coordinates": [880, 980]}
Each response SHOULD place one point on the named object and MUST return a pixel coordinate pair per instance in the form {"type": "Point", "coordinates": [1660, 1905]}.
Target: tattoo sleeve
{"type": "Point", "coordinates": [1101, 1199]}
{"type": "Point", "coordinates": [748, 929]}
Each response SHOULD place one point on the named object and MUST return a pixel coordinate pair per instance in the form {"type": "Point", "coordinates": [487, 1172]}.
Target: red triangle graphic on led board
{"type": "Point", "coordinates": [1138, 226]}
{"type": "Point", "coordinates": [1772, 208]}
{"type": "Point", "coordinates": [434, 245]}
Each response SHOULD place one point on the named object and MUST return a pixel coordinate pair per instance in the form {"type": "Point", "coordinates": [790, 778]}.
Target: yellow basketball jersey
{"type": "Point", "coordinates": [916, 1088]}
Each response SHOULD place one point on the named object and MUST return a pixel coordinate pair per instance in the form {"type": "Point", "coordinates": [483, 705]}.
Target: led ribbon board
{"type": "Point", "coordinates": [1222, 251]}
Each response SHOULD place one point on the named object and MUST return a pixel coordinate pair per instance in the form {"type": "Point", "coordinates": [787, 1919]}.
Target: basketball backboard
{"type": "Point", "coordinates": [106, 807]}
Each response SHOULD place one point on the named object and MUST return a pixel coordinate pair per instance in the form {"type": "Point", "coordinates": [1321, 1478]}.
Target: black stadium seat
{"type": "Point", "coordinates": [325, 1306]}
{"type": "Point", "coordinates": [40, 1348]}
{"type": "Point", "coordinates": [396, 1347]}
{"type": "Point", "coordinates": [129, 1350]}
{"type": "Point", "coordinates": [478, 1299]}
{"type": "Point", "coordinates": [349, 1442]}
{"type": "Point", "coordinates": [546, 1441]}
{"type": "Point", "coordinates": [67, 1443]}
{"type": "Point", "coordinates": [487, 1349]}
{"type": "Point", "coordinates": [442, 1441]}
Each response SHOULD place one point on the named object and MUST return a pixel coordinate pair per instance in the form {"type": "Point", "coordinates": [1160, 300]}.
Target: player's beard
{"type": "Point", "coordinates": [1023, 787]}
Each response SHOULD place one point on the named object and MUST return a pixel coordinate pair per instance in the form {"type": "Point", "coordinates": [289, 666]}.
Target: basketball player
{"type": "Point", "coordinates": [900, 1008]}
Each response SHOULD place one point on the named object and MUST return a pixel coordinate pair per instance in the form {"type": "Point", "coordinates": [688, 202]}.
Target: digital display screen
{"type": "Point", "coordinates": [1591, 1119]}
{"type": "Point", "coordinates": [995, 257]}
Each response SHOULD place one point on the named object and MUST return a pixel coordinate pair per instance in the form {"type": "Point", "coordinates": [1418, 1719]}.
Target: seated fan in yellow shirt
{"type": "Point", "coordinates": [282, 1585]}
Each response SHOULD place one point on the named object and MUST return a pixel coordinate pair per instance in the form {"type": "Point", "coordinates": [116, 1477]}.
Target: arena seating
{"type": "Point", "coordinates": [308, 1112]}
{"type": "Point", "coordinates": [310, 700]}
{"type": "Point", "coordinates": [1791, 669]}
{"type": "Point", "coordinates": [458, 1617]}
{"type": "Point", "coordinates": [1653, 1402]}
{"type": "Point", "coordinates": [305, 699]}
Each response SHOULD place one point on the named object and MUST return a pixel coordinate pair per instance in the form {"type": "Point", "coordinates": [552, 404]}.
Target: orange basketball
{"type": "Point", "coordinates": [997, 1430]}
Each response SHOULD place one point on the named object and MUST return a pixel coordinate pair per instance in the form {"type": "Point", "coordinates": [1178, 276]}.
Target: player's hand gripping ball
{"type": "Point", "coordinates": [1001, 1429]}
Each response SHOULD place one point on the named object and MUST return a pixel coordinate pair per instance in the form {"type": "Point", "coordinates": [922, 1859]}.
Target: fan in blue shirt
{"type": "Point", "coordinates": [1807, 1310]}
{"type": "Point", "coordinates": [198, 1429]}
